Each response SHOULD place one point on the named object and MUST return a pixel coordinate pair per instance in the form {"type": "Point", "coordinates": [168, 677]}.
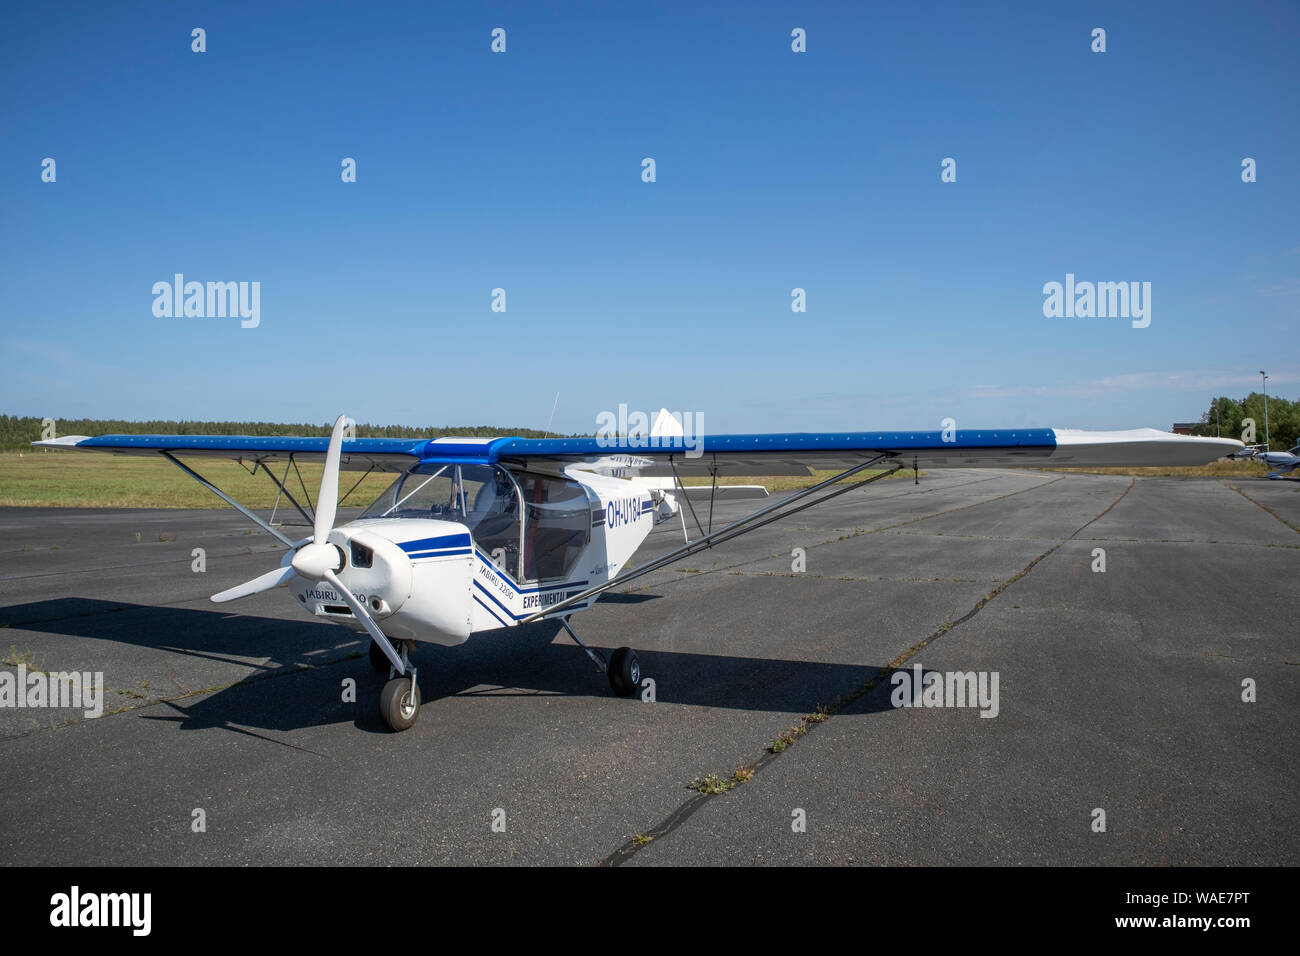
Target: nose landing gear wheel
{"type": "Point", "coordinates": [624, 672]}
{"type": "Point", "coordinates": [399, 703]}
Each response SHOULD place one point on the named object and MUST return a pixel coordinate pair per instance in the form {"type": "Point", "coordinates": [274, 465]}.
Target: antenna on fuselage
{"type": "Point", "coordinates": [553, 407]}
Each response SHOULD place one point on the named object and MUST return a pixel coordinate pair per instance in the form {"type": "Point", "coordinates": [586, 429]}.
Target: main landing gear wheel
{"type": "Point", "coordinates": [399, 702]}
{"type": "Point", "coordinates": [624, 672]}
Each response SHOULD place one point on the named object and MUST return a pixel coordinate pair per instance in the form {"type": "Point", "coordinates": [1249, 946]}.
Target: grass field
{"type": "Point", "coordinates": [1215, 469]}
{"type": "Point", "coordinates": [88, 480]}
{"type": "Point", "coordinates": [56, 479]}
{"type": "Point", "coordinates": [793, 482]}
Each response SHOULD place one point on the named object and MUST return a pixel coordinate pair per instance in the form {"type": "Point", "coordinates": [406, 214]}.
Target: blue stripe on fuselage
{"type": "Point", "coordinates": [427, 544]}
{"type": "Point", "coordinates": [449, 553]}
{"type": "Point", "coordinates": [488, 608]}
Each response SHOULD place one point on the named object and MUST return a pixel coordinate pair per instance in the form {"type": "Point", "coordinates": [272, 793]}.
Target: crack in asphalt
{"type": "Point", "coordinates": [692, 805]}
{"type": "Point", "coordinates": [1263, 507]}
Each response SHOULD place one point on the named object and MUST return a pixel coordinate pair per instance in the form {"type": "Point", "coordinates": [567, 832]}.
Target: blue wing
{"type": "Point", "coordinates": [775, 454]}
{"type": "Point", "coordinates": [359, 454]}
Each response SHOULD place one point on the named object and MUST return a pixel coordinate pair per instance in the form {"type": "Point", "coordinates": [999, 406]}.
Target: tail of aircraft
{"type": "Point", "coordinates": [665, 491]}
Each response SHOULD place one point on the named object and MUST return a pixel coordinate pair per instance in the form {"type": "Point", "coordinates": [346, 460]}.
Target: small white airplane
{"type": "Point", "coordinates": [1283, 462]}
{"type": "Point", "coordinates": [479, 534]}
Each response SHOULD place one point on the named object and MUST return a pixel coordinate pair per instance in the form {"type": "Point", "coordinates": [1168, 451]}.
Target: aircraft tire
{"type": "Point", "coordinates": [624, 672]}
{"type": "Point", "coordinates": [395, 704]}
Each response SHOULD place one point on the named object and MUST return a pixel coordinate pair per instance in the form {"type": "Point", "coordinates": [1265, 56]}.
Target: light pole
{"type": "Point", "coordinates": [1265, 377]}
{"type": "Point", "coordinates": [1216, 418]}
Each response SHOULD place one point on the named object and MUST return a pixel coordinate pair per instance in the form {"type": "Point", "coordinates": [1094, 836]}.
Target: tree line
{"type": "Point", "coordinates": [17, 432]}
{"type": "Point", "coordinates": [1231, 415]}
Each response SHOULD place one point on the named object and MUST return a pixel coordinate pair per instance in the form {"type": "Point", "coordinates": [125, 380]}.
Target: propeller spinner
{"type": "Point", "coordinates": [315, 559]}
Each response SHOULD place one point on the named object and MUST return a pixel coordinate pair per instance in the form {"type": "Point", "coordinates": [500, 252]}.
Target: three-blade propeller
{"type": "Point", "coordinates": [315, 559]}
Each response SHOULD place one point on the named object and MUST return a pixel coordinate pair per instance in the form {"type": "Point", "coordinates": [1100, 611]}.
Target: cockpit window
{"type": "Point", "coordinates": [493, 518]}
{"type": "Point", "coordinates": [537, 538]}
{"type": "Point", "coordinates": [557, 528]}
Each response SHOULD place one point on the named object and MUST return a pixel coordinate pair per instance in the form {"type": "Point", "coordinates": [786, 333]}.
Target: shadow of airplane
{"type": "Point", "coordinates": [300, 685]}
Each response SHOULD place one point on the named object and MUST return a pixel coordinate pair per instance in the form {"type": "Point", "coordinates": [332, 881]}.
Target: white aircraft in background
{"type": "Point", "coordinates": [476, 534]}
{"type": "Point", "coordinates": [1283, 462]}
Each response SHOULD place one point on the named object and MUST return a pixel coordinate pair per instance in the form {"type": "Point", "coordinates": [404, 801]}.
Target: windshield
{"type": "Point", "coordinates": [449, 492]}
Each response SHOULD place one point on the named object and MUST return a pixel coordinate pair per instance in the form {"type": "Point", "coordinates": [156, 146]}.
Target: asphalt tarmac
{"type": "Point", "coordinates": [1118, 691]}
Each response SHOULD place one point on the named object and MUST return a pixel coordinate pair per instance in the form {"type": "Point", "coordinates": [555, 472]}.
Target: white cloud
{"type": "Point", "coordinates": [1197, 381]}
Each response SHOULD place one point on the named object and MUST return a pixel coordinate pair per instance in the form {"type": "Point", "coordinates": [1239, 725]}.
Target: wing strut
{"type": "Point", "coordinates": [372, 468]}
{"type": "Point", "coordinates": [685, 497]}
{"type": "Point", "coordinates": [305, 493]}
{"type": "Point", "coordinates": [735, 529]}
{"type": "Point", "coordinates": [713, 493]}
{"type": "Point", "coordinates": [226, 498]}
{"type": "Point", "coordinates": [279, 483]}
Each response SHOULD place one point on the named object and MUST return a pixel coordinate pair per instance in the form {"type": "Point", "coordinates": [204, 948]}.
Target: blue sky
{"type": "Point", "coordinates": [775, 170]}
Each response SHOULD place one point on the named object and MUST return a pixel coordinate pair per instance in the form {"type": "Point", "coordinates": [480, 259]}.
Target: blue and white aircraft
{"type": "Point", "coordinates": [479, 534]}
{"type": "Point", "coordinates": [1282, 462]}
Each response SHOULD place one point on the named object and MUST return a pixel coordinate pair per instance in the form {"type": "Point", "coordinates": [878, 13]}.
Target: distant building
{"type": "Point", "coordinates": [1184, 428]}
